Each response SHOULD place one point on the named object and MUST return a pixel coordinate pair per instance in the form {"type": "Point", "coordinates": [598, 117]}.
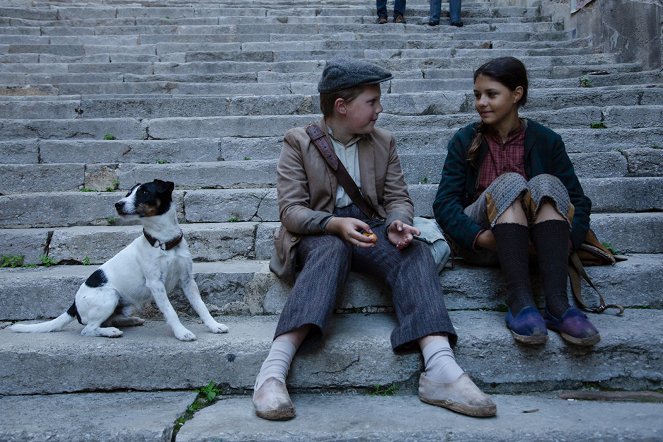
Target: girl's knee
{"type": "Point", "coordinates": [546, 185]}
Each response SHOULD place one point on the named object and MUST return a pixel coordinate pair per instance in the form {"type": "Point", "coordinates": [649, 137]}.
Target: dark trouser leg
{"type": "Point", "coordinates": [416, 292]}
{"type": "Point", "coordinates": [399, 7]}
{"type": "Point", "coordinates": [381, 6]}
{"type": "Point", "coordinates": [325, 263]}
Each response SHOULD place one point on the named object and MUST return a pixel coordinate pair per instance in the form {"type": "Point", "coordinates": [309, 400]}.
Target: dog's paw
{"type": "Point", "coordinates": [185, 335]}
{"type": "Point", "coordinates": [106, 332]}
{"type": "Point", "coordinates": [217, 327]}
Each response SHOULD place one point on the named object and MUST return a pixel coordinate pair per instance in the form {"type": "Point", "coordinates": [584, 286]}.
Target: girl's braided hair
{"type": "Point", "coordinates": [508, 71]}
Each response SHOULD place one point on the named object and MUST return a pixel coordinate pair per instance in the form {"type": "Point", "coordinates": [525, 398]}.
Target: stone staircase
{"type": "Point", "coordinates": [98, 95]}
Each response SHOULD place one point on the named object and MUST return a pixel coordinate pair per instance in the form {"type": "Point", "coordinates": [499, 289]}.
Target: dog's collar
{"type": "Point", "coordinates": [163, 245]}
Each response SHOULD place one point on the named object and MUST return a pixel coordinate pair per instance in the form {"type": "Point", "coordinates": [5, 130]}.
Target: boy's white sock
{"type": "Point", "coordinates": [277, 363]}
{"type": "Point", "coordinates": [440, 362]}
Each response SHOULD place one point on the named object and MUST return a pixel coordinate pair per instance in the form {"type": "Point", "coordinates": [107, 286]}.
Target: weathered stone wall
{"type": "Point", "coordinates": [631, 27]}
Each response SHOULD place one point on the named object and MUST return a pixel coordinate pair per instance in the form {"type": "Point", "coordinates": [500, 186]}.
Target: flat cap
{"type": "Point", "coordinates": [343, 73]}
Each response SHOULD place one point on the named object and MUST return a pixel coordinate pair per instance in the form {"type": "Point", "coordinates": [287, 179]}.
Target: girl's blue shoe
{"type": "Point", "coordinates": [528, 326]}
{"type": "Point", "coordinates": [574, 327]}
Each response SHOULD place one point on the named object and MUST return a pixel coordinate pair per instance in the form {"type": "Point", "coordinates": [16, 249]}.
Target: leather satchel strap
{"type": "Point", "coordinates": [344, 179]}
{"type": "Point", "coordinates": [576, 274]}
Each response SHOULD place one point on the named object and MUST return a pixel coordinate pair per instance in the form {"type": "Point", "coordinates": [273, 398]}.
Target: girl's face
{"type": "Point", "coordinates": [495, 103]}
{"type": "Point", "coordinates": [362, 112]}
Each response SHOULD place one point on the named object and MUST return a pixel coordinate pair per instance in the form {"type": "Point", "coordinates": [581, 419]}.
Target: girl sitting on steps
{"type": "Point", "coordinates": [508, 181]}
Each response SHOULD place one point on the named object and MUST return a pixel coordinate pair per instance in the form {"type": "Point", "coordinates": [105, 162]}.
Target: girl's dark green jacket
{"type": "Point", "coordinates": [544, 154]}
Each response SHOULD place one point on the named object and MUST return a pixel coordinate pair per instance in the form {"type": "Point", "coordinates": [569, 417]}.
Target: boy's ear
{"type": "Point", "coordinates": [340, 106]}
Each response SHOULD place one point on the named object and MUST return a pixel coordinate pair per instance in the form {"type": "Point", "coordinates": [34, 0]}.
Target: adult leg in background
{"type": "Point", "coordinates": [454, 13]}
{"type": "Point", "coordinates": [435, 11]}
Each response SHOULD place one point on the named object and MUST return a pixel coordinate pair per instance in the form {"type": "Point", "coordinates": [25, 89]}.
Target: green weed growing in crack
{"type": "Point", "coordinates": [207, 395]}
{"type": "Point", "coordinates": [585, 81]}
{"type": "Point", "coordinates": [115, 184]}
{"type": "Point", "coordinates": [47, 261]}
{"type": "Point", "coordinates": [12, 261]}
{"type": "Point", "coordinates": [598, 125]}
{"type": "Point", "coordinates": [384, 390]}
{"type": "Point", "coordinates": [109, 137]}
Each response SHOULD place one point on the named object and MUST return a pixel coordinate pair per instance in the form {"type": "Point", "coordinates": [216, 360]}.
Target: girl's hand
{"type": "Point", "coordinates": [401, 234]}
{"type": "Point", "coordinates": [350, 230]}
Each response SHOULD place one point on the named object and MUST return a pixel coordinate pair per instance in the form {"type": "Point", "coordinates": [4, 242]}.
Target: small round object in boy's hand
{"type": "Point", "coordinates": [372, 236]}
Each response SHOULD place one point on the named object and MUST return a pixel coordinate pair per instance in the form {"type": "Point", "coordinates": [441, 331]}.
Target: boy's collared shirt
{"type": "Point", "coordinates": [348, 154]}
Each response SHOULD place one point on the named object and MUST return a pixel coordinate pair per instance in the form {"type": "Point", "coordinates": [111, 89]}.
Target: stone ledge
{"type": "Point", "coordinates": [356, 354]}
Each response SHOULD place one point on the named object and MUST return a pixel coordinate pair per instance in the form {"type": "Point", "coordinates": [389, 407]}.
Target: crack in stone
{"type": "Point", "coordinates": [353, 362]}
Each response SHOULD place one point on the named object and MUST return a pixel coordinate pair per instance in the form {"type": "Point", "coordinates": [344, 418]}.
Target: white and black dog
{"type": "Point", "coordinates": [151, 266]}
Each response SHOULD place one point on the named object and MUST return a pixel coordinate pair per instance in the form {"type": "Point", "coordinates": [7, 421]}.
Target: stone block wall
{"type": "Point", "coordinates": [632, 27]}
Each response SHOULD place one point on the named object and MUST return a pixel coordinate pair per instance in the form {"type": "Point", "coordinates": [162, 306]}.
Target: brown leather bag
{"type": "Point", "coordinates": [591, 253]}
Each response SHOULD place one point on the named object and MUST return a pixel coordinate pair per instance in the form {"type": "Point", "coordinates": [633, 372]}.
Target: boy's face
{"type": "Point", "coordinates": [362, 112]}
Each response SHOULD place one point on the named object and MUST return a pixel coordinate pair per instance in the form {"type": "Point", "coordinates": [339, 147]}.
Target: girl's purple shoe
{"type": "Point", "coordinates": [574, 327]}
{"type": "Point", "coordinates": [528, 326]}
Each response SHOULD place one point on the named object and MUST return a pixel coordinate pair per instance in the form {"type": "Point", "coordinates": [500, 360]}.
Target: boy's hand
{"type": "Point", "coordinates": [401, 234]}
{"type": "Point", "coordinates": [350, 230]}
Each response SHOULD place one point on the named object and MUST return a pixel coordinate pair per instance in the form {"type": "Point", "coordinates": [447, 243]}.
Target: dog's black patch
{"type": "Point", "coordinates": [73, 311]}
{"type": "Point", "coordinates": [154, 198]}
{"type": "Point", "coordinates": [97, 279]}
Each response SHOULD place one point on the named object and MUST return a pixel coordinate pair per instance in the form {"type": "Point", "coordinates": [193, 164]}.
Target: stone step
{"type": "Point", "coordinates": [438, 67]}
{"type": "Point", "coordinates": [241, 287]}
{"type": "Point", "coordinates": [356, 354]}
{"type": "Point", "coordinates": [403, 417]}
{"type": "Point", "coordinates": [23, 210]}
{"type": "Point", "coordinates": [347, 39]}
{"type": "Point", "coordinates": [281, 28]}
{"type": "Point", "coordinates": [15, 75]}
{"type": "Point", "coordinates": [350, 16]}
{"type": "Point", "coordinates": [641, 148]}
{"type": "Point", "coordinates": [130, 86]}
{"type": "Point", "coordinates": [598, 117]}
{"type": "Point", "coordinates": [422, 167]}
{"type": "Point", "coordinates": [297, 49]}
{"type": "Point", "coordinates": [63, 15]}
{"type": "Point", "coordinates": [401, 97]}
{"type": "Point", "coordinates": [133, 416]}
{"type": "Point", "coordinates": [626, 232]}
{"type": "Point", "coordinates": [182, 53]}
{"type": "Point", "coordinates": [365, 416]}
{"type": "Point", "coordinates": [34, 85]}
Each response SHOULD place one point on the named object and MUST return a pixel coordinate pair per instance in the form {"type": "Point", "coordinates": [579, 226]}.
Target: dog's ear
{"type": "Point", "coordinates": [164, 186]}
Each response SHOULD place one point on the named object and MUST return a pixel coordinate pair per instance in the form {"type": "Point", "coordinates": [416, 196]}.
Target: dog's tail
{"type": "Point", "coordinates": [56, 324]}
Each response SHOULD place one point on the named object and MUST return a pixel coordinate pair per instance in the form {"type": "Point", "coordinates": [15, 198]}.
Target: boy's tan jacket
{"type": "Point", "coordinates": [306, 189]}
